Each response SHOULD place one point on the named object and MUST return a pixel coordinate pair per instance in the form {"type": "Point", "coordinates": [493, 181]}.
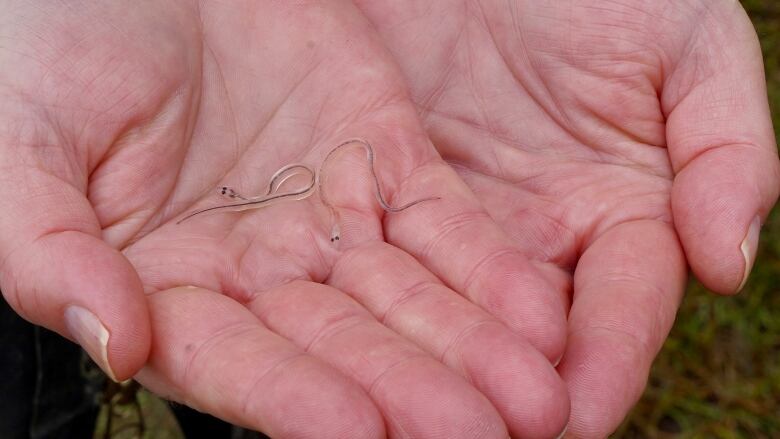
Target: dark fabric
{"type": "Point", "coordinates": [196, 425]}
{"type": "Point", "coordinates": [49, 388]}
{"type": "Point", "coordinates": [19, 376]}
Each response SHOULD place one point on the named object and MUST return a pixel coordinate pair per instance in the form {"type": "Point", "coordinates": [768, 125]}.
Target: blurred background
{"type": "Point", "coordinates": [718, 375]}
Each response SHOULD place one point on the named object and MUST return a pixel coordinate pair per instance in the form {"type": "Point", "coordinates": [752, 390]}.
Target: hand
{"type": "Point", "coordinates": [584, 128]}
{"type": "Point", "coordinates": [117, 121]}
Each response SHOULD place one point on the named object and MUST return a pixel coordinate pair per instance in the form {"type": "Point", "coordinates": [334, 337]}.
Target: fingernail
{"type": "Point", "coordinates": [749, 247]}
{"type": "Point", "coordinates": [563, 433]}
{"type": "Point", "coordinates": [90, 333]}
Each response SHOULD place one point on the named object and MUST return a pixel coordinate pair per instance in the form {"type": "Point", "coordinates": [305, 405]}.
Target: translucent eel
{"type": "Point", "coordinates": [315, 180]}
{"type": "Point", "coordinates": [270, 197]}
{"type": "Point", "coordinates": [335, 231]}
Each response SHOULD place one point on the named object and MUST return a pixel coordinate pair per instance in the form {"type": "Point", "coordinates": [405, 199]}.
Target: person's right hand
{"type": "Point", "coordinates": [117, 119]}
{"type": "Point", "coordinates": [613, 141]}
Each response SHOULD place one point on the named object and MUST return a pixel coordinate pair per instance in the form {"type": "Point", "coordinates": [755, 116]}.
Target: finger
{"type": "Point", "coordinates": [627, 288]}
{"type": "Point", "coordinates": [458, 241]}
{"type": "Point", "coordinates": [404, 296]}
{"type": "Point", "coordinates": [418, 396]}
{"type": "Point", "coordinates": [722, 146]}
{"type": "Point", "coordinates": [212, 354]}
{"type": "Point", "coordinates": [58, 273]}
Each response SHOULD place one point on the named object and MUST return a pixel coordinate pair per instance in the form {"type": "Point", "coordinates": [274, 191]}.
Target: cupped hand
{"type": "Point", "coordinates": [613, 141]}
{"type": "Point", "coordinates": [118, 120]}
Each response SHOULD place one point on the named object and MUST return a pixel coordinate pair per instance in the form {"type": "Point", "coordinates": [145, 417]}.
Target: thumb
{"type": "Point", "coordinates": [57, 272]}
{"type": "Point", "coordinates": [722, 146]}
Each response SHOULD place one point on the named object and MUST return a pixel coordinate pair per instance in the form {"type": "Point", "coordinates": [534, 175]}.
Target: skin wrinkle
{"type": "Point", "coordinates": [159, 204]}
{"type": "Point", "coordinates": [242, 284]}
{"type": "Point", "coordinates": [523, 87]}
{"type": "Point", "coordinates": [36, 145]}
{"type": "Point", "coordinates": [39, 158]}
{"type": "Point", "coordinates": [168, 204]}
{"type": "Point", "coordinates": [499, 137]}
{"type": "Point", "coordinates": [572, 133]}
{"type": "Point", "coordinates": [232, 275]}
{"type": "Point", "coordinates": [322, 261]}
{"type": "Point", "coordinates": [428, 102]}
{"type": "Point", "coordinates": [169, 209]}
{"type": "Point", "coordinates": [590, 232]}
{"type": "Point", "coordinates": [605, 222]}
{"type": "Point", "coordinates": [693, 41]}
{"type": "Point", "coordinates": [203, 348]}
{"type": "Point", "coordinates": [631, 137]}
{"type": "Point", "coordinates": [532, 158]}
{"type": "Point", "coordinates": [315, 129]}
{"type": "Point", "coordinates": [152, 272]}
{"type": "Point", "coordinates": [404, 296]}
{"type": "Point", "coordinates": [650, 25]}
{"type": "Point", "coordinates": [473, 83]}
{"type": "Point", "coordinates": [477, 272]}
{"type": "Point", "coordinates": [350, 319]}
{"type": "Point", "coordinates": [523, 83]}
{"type": "Point", "coordinates": [455, 344]}
{"type": "Point", "coordinates": [656, 296]}
{"type": "Point", "coordinates": [259, 383]}
{"type": "Point", "coordinates": [263, 128]}
{"type": "Point", "coordinates": [238, 152]}
{"type": "Point", "coordinates": [566, 262]}
{"type": "Point", "coordinates": [449, 226]}
{"type": "Point", "coordinates": [562, 116]}
{"type": "Point", "coordinates": [61, 56]}
{"type": "Point", "coordinates": [718, 147]}
{"type": "Point", "coordinates": [407, 359]}
{"type": "Point", "coordinates": [641, 352]}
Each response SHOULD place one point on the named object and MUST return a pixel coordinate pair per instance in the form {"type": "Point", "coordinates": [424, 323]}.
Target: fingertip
{"type": "Point", "coordinates": [527, 391]}
{"type": "Point", "coordinates": [75, 284]}
{"type": "Point", "coordinates": [717, 214]}
{"type": "Point", "coordinates": [607, 374]}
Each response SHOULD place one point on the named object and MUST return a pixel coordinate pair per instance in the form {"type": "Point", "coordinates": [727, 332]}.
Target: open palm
{"type": "Point", "coordinates": [118, 121]}
{"type": "Point", "coordinates": [602, 136]}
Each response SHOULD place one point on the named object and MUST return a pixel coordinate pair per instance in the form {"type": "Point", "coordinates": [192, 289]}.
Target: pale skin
{"type": "Point", "coordinates": [118, 120]}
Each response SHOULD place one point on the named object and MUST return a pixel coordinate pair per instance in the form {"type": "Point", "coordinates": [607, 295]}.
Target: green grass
{"type": "Point", "coordinates": [718, 375]}
{"type": "Point", "coordinates": [132, 413]}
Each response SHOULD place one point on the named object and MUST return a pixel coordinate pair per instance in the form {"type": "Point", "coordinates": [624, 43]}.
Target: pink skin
{"type": "Point", "coordinates": [117, 120]}
{"type": "Point", "coordinates": [585, 128]}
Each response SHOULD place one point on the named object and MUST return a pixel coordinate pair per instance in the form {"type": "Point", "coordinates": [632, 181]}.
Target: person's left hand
{"type": "Point", "coordinates": [585, 127]}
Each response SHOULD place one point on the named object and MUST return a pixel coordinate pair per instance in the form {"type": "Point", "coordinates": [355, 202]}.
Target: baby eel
{"type": "Point", "coordinates": [316, 180]}
{"type": "Point", "coordinates": [335, 232]}
{"type": "Point", "coordinates": [270, 197]}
